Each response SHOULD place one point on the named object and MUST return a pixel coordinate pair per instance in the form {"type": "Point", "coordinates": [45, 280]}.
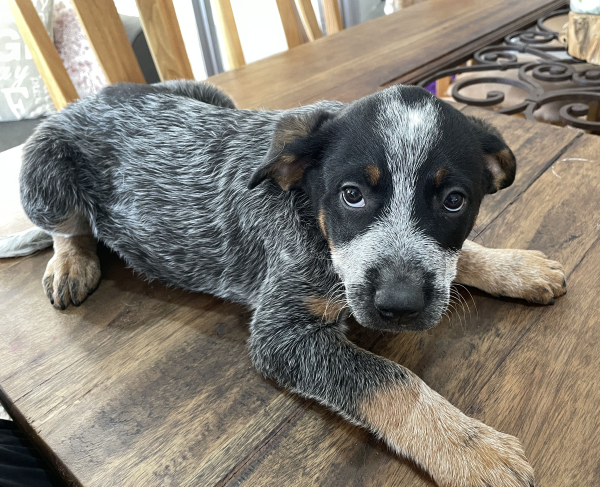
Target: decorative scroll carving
{"type": "Point", "coordinates": [551, 64]}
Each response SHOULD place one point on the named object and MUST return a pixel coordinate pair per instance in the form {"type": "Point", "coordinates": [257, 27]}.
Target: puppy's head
{"type": "Point", "coordinates": [396, 180]}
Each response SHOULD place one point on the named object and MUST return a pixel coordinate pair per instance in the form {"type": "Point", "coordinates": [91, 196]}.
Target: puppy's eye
{"type": "Point", "coordinates": [353, 197]}
{"type": "Point", "coordinates": [454, 202]}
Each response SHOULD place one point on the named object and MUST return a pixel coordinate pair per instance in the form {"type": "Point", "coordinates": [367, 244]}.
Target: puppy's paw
{"type": "Point", "coordinates": [484, 457]}
{"type": "Point", "coordinates": [523, 274]}
{"type": "Point", "coordinates": [530, 275]}
{"type": "Point", "coordinates": [456, 450]}
{"type": "Point", "coordinates": [71, 277]}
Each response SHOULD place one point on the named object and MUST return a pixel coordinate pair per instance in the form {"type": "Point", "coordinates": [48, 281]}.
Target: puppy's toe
{"type": "Point", "coordinates": [71, 278]}
{"type": "Point", "coordinates": [61, 290]}
{"type": "Point", "coordinates": [483, 458]}
{"type": "Point", "coordinates": [47, 283]}
{"type": "Point", "coordinates": [502, 462]}
{"type": "Point", "coordinates": [543, 279]}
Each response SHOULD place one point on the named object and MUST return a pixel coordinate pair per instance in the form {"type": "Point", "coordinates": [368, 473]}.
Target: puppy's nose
{"type": "Point", "coordinates": [399, 301]}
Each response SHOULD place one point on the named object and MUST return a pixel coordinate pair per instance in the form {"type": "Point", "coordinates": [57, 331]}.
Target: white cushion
{"type": "Point", "coordinates": [22, 91]}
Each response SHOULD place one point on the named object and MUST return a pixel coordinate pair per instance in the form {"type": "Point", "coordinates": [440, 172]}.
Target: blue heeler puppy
{"type": "Point", "coordinates": [305, 216]}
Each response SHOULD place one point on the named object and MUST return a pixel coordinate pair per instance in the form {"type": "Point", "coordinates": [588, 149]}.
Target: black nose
{"type": "Point", "coordinates": [399, 301]}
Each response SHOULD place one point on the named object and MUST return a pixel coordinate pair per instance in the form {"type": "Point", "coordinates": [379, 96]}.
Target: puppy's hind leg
{"type": "Point", "coordinates": [73, 273]}
{"type": "Point", "coordinates": [524, 274]}
{"type": "Point", "coordinates": [54, 200]}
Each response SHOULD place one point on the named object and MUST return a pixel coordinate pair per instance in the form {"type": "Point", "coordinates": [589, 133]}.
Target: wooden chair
{"type": "Point", "coordinates": [296, 32]}
{"type": "Point", "coordinates": [108, 41]}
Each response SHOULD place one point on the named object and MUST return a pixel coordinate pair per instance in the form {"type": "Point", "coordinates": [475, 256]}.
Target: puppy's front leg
{"type": "Point", "coordinates": [525, 274]}
{"type": "Point", "coordinates": [304, 349]}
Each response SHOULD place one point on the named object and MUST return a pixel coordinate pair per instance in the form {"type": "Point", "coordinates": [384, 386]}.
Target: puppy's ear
{"type": "Point", "coordinates": [499, 160]}
{"type": "Point", "coordinates": [295, 146]}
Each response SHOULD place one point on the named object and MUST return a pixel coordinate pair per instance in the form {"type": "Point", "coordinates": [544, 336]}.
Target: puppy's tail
{"type": "Point", "coordinates": [24, 243]}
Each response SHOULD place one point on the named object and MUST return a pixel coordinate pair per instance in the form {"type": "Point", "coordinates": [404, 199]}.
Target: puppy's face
{"type": "Point", "coordinates": [396, 180]}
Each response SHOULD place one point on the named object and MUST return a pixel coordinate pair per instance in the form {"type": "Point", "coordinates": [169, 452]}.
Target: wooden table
{"type": "Point", "coordinates": [405, 47]}
{"type": "Point", "coordinates": [144, 385]}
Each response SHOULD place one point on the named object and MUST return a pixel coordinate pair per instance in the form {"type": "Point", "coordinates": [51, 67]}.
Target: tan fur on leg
{"type": "Point", "coordinates": [325, 308]}
{"type": "Point", "coordinates": [456, 450]}
{"type": "Point", "coordinates": [525, 274]}
{"type": "Point", "coordinates": [73, 273]}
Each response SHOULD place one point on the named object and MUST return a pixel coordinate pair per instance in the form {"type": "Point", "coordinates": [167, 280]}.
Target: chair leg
{"type": "Point", "coordinates": [103, 28]}
{"type": "Point", "coordinates": [293, 35]}
{"type": "Point", "coordinates": [233, 46]}
{"type": "Point", "coordinates": [162, 31]}
{"type": "Point", "coordinates": [333, 16]}
{"type": "Point", "coordinates": [309, 19]}
{"type": "Point", "coordinates": [441, 86]}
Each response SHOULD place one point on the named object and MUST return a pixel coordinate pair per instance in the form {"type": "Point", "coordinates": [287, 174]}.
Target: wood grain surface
{"type": "Point", "coordinates": [403, 47]}
{"type": "Point", "coordinates": [584, 37]}
{"type": "Point", "coordinates": [333, 16]}
{"type": "Point", "coordinates": [148, 385]}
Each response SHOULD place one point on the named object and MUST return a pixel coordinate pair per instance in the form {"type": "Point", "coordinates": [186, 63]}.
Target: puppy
{"type": "Point", "coordinates": [305, 216]}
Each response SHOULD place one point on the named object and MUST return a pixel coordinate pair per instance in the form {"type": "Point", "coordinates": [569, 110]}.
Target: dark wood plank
{"type": "Point", "coordinates": [403, 47]}
{"type": "Point", "coordinates": [548, 385]}
{"type": "Point", "coordinates": [557, 214]}
{"type": "Point", "coordinates": [157, 382]}
{"type": "Point", "coordinates": [476, 360]}
{"type": "Point", "coordinates": [224, 464]}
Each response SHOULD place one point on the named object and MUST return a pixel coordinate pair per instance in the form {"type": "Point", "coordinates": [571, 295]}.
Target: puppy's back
{"type": "Point", "coordinates": [160, 173]}
{"type": "Point", "coordinates": [191, 89]}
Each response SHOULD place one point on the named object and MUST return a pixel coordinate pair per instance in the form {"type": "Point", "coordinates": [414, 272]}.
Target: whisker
{"type": "Point", "coordinates": [455, 303]}
{"type": "Point", "coordinates": [472, 299]}
{"type": "Point", "coordinates": [463, 303]}
{"type": "Point", "coordinates": [453, 310]}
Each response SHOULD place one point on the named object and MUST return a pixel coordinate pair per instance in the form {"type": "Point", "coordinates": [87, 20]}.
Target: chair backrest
{"type": "Point", "coordinates": [108, 39]}
{"type": "Point", "coordinates": [297, 18]}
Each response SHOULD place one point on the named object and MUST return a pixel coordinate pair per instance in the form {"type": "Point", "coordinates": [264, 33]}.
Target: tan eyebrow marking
{"type": "Point", "coordinates": [374, 173]}
{"type": "Point", "coordinates": [440, 175]}
{"type": "Point", "coordinates": [323, 227]}
{"type": "Point", "coordinates": [321, 220]}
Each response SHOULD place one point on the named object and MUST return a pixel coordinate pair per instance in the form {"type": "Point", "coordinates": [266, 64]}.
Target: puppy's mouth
{"type": "Point", "coordinates": [368, 315]}
{"type": "Point", "coordinates": [423, 322]}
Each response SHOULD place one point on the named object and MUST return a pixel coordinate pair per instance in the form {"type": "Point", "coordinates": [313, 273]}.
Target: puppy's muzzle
{"type": "Point", "coordinates": [400, 301]}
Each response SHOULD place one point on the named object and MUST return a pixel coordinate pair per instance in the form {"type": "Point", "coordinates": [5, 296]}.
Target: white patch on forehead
{"type": "Point", "coordinates": [422, 114]}
{"type": "Point", "coordinates": [410, 130]}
